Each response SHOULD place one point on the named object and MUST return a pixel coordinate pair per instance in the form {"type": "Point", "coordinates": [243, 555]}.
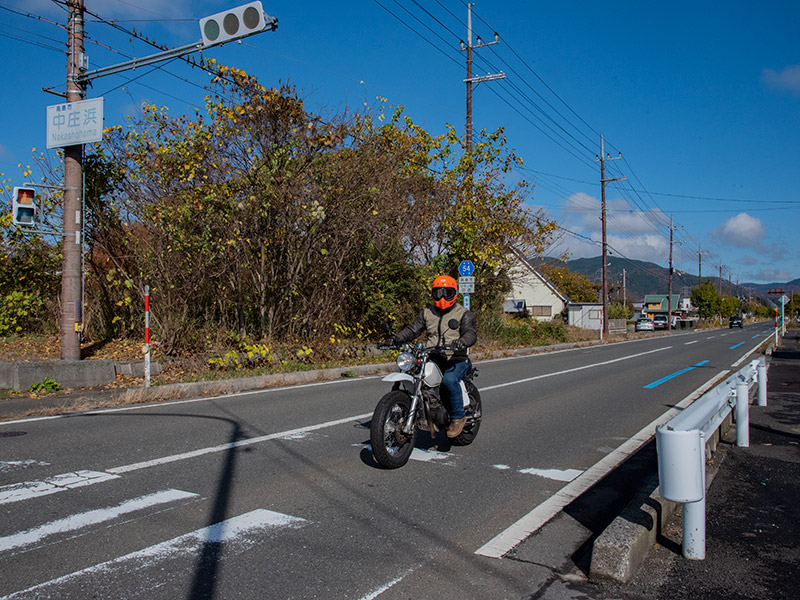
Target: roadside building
{"type": "Point", "coordinates": [532, 293]}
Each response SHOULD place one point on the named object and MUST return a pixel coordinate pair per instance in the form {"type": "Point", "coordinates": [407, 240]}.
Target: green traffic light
{"type": "Point", "coordinates": [211, 29]}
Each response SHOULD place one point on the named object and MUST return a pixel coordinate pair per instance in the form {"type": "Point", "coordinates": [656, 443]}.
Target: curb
{"type": "Point", "coordinates": [620, 550]}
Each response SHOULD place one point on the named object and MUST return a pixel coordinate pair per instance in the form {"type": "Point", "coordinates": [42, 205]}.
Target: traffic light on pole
{"type": "Point", "coordinates": [235, 23]}
{"type": "Point", "coordinates": [23, 207]}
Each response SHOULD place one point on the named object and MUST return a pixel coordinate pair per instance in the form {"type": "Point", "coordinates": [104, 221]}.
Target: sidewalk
{"type": "Point", "coordinates": [753, 512]}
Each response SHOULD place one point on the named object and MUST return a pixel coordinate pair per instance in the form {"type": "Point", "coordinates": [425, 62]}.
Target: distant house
{"type": "Point", "coordinates": [531, 292]}
{"type": "Point", "coordinates": [655, 304]}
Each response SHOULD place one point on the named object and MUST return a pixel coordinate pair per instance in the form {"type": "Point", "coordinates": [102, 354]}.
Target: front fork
{"type": "Point", "coordinates": [408, 429]}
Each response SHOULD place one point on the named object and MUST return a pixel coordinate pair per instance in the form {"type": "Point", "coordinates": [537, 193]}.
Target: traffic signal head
{"type": "Point", "coordinates": [234, 23]}
{"type": "Point", "coordinates": [23, 207]}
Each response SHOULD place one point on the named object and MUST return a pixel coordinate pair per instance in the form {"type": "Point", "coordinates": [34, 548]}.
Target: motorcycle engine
{"type": "Point", "coordinates": [439, 414]}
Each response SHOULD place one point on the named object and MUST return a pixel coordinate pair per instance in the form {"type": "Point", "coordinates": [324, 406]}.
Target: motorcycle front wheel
{"type": "Point", "coordinates": [390, 446]}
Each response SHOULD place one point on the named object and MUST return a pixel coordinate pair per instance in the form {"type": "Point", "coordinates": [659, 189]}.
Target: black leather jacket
{"type": "Point", "coordinates": [435, 322]}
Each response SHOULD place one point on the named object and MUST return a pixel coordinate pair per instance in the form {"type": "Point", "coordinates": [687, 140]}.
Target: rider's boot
{"type": "Point", "coordinates": [456, 427]}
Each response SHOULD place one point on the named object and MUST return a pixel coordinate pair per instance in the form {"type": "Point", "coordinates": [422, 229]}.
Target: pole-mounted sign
{"type": "Point", "coordinates": [75, 123]}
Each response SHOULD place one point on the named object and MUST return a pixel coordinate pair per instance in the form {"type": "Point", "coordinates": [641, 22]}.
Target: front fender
{"type": "Point", "coordinates": [392, 377]}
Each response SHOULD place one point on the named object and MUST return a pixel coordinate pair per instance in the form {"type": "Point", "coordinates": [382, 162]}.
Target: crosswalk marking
{"type": "Point", "coordinates": [93, 517]}
{"type": "Point", "coordinates": [58, 483]}
{"type": "Point", "coordinates": [238, 534]}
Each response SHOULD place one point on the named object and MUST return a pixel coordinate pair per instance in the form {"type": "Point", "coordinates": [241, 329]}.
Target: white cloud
{"type": "Point", "coordinates": [621, 217]}
{"type": "Point", "coordinates": [630, 233]}
{"type": "Point", "coordinates": [741, 231]}
{"type": "Point", "coordinates": [769, 276]}
{"type": "Point", "coordinates": [787, 79]}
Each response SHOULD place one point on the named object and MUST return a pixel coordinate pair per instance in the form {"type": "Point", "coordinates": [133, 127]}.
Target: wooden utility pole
{"type": "Point", "coordinates": [602, 158]}
{"type": "Point", "coordinates": [669, 297]}
{"type": "Point", "coordinates": [700, 253]}
{"type": "Point", "coordinates": [470, 79]}
{"type": "Point", "coordinates": [71, 276]}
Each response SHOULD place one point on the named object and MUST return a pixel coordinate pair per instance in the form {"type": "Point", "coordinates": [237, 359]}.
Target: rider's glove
{"type": "Point", "coordinates": [458, 345]}
{"type": "Point", "coordinates": [390, 342]}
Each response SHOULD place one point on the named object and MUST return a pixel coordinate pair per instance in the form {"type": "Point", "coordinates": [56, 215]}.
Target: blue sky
{"type": "Point", "coordinates": [701, 98]}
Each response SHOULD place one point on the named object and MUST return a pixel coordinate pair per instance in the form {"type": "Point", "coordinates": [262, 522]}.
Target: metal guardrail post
{"type": "Point", "coordinates": [762, 382]}
{"type": "Point", "coordinates": [694, 530]}
{"type": "Point", "coordinates": [742, 414]}
{"type": "Point", "coordinates": [681, 444]}
{"type": "Point", "coordinates": [682, 478]}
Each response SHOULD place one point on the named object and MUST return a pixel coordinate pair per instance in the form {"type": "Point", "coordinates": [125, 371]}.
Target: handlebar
{"type": "Point", "coordinates": [444, 348]}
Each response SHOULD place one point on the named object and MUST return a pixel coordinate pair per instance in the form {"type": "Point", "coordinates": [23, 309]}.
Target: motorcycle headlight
{"type": "Point", "coordinates": [405, 360]}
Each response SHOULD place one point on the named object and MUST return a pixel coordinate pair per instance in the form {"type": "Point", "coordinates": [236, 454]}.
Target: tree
{"type": "Point", "coordinates": [618, 310]}
{"type": "Point", "coordinates": [706, 299]}
{"type": "Point", "coordinates": [260, 219]}
{"type": "Point", "coordinates": [576, 286]}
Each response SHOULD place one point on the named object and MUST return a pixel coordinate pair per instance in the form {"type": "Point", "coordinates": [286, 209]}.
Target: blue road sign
{"type": "Point", "coordinates": [466, 268]}
{"type": "Point", "coordinates": [465, 302]}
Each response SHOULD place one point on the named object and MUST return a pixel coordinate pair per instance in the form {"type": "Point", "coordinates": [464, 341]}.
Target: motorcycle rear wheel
{"type": "Point", "coordinates": [390, 446]}
{"type": "Point", "coordinates": [474, 414]}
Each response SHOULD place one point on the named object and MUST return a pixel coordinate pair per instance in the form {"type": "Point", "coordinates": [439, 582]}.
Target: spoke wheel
{"type": "Point", "coordinates": [390, 446]}
{"type": "Point", "coordinates": [474, 414]}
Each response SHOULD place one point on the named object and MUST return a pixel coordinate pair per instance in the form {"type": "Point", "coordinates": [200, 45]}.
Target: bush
{"type": "Point", "coordinates": [514, 331]}
{"type": "Point", "coordinates": [20, 312]}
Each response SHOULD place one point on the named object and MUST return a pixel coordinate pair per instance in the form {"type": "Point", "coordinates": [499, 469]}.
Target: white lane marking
{"type": "Point", "coordinates": [557, 474]}
{"type": "Point", "coordinates": [32, 489]}
{"type": "Point", "coordinates": [428, 455]}
{"type": "Point", "coordinates": [238, 533]}
{"type": "Point", "coordinates": [419, 454]}
{"type": "Point", "coordinates": [16, 492]}
{"type": "Point", "coordinates": [231, 445]}
{"type": "Point", "coordinates": [690, 343]}
{"type": "Point", "coordinates": [501, 467]}
{"type": "Point", "coordinates": [92, 517]}
{"type": "Point", "coordinates": [553, 374]}
{"type": "Point", "coordinates": [747, 354]}
{"type": "Point", "coordinates": [156, 404]}
{"type": "Point", "coordinates": [11, 465]}
{"type": "Point", "coordinates": [374, 594]}
{"type": "Point", "coordinates": [506, 540]}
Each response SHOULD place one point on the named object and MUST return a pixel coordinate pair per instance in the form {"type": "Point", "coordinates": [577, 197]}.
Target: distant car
{"type": "Point", "coordinates": [735, 321]}
{"type": "Point", "coordinates": [644, 324]}
{"type": "Point", "coordinates": [660, 321]}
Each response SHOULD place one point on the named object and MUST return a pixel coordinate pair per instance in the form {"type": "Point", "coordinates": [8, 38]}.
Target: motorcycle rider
{"type": "Point", "coordinates": [435, 321]}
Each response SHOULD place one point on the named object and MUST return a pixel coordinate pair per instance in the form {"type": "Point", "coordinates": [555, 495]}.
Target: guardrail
{"type": "Point", "coordinates": [682, 447]}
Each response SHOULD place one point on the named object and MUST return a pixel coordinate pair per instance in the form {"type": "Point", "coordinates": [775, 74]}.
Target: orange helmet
{"type": "Point", "coordinates": [444, 290]}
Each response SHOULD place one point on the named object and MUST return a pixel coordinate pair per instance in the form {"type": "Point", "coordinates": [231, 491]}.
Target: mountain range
{"type": "Point", "coordinates": [634, 279]}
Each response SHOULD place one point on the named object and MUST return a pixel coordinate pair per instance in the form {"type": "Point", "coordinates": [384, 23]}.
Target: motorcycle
{"type": "Point", "coordinates": [415, 403]}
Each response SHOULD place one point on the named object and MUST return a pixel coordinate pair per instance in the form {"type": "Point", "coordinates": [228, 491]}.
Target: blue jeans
{"type": "Point", "coordinates": [454, 372]}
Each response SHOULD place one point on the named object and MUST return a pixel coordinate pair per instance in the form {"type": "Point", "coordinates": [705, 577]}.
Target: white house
{"type": "Point", "coordinates": [586, 315]}
{"type": "Point", "coordinates": [531, 291]}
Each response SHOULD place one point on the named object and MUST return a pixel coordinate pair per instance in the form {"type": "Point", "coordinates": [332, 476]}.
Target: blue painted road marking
{"type": "Point", "coordinates": [736, 346]}
{"type": "Point", "coordinates": [668, 377]}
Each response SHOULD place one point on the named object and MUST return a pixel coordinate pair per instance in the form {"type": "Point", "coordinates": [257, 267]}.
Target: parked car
{"type": "Point", "coordinates": [660, 321]}
{"type": "Point", "coordinates": [735, 321]}
{"type": "Point", "coordinates": [644, 324]}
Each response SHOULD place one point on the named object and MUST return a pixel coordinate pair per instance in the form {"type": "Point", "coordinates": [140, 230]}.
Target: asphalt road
{"type": "Point", "coordinates": [275, 494]}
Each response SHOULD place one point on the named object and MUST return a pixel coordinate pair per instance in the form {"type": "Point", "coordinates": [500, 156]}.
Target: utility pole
{"type": "Point", "coordinates": [470, 79]}
{"type": "Point", "coordinates": [624, 289]}
{"type": "Point", "coordinates": [700, 253]}
{"type": "Point", "coordinates": [247, 19]}
{"type": "Point", "coordinates": [669, 298]}
{"type": "Point", "coordinates": [71, 278]}
{"type": "Point", "coordinates": [603, 158]}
